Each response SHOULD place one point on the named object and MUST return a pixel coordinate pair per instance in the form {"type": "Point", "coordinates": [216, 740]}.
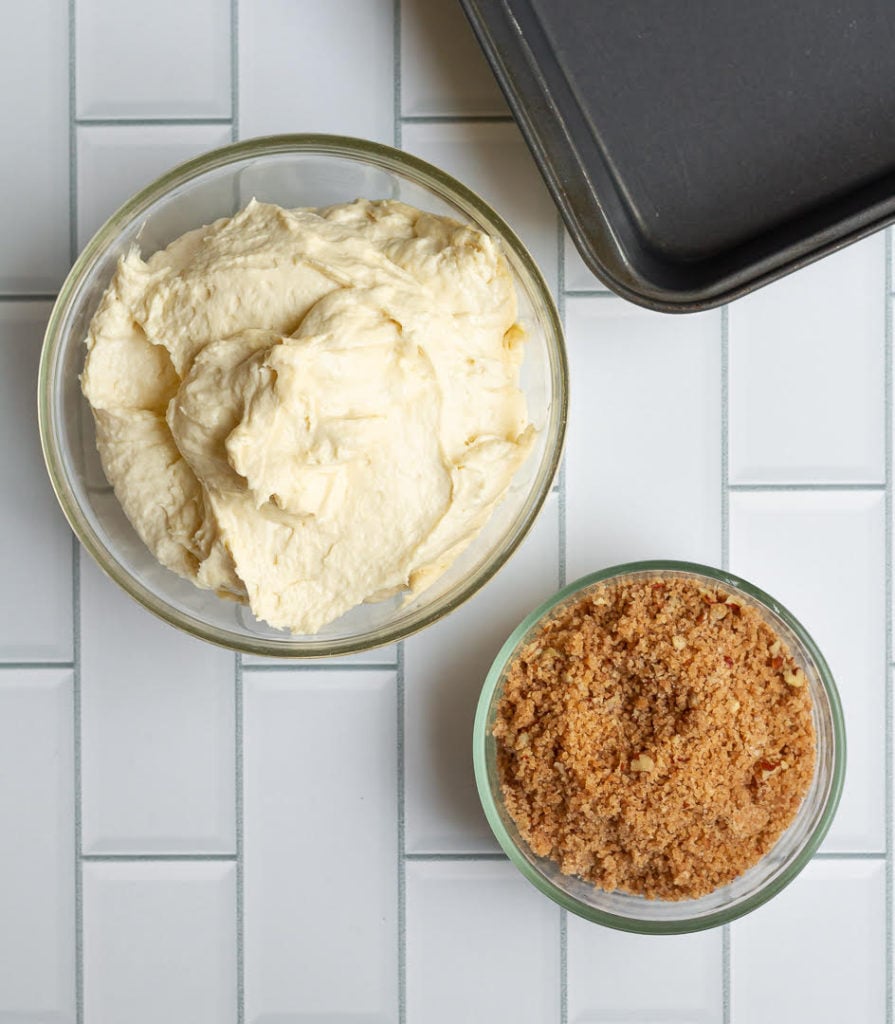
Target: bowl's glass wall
{"type": "Point", "coordinates": [773, 872]}
{"type": "Point", "coordinates": [291, 171]}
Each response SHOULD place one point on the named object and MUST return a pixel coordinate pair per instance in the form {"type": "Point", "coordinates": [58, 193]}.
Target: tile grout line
{"type": "Point", "coordinates": [725, 438]}
{"type": "Point", "coordinates": [725, 563]}
{"type": "Point", "coordinates": [72, 135]}
{"type": "Point", "coordinates": [238, 776]}
{"type": "Point", "coordinates": [331, 666]}
{"type": "Point", "coordinates": [396, 60]}
{"type": "Point", "coordinates": [234, 70]}
{"type": "Point", "coordinates": [155, 858]}
{"type": "Point", "coordinates": [456, 118]}
{"type": "Point", "coordinates": [78, 788]}
{"type": "Point", "coordinates": [725, 974]}
{"type": "Point", "coordinates": [34, 665]}
{"type": "Point", "coordinates": [401, 831]}
{"type": "Point", "coordinates": [238, 745]}
{"type": "Point", "coordinates": [851, 855]}
{"type": "Point", "coordinates": [401, 839]}
{"type": "Point", "coordinates": [890, 853]}
{"type": "Point", "coordinates": [848, 487]}
{"type": "Point", "coordinates": [147, 122]}
{"type": "Point", "coordinates": [563, 965]}
{"type": "Point", "coordinates": [75, 552]}
{"type": "Point", "coordinates": [34, 296]}
{"type": "Point", "coordinates": [561, 570]}
{"type": "Point", "coordinates": [474, 858]}
{"type": "Point", "coordinates": [589, 293]}
{"type": "Point", "coordinates": [889, 469]}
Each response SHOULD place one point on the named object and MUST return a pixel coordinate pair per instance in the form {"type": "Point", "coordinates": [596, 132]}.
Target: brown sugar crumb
{"type": "Point", "coordinates": [655, 737]}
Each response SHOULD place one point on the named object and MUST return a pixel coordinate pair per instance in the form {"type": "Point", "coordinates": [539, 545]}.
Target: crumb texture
{"type": "Point", "coordinates": [655, 737]}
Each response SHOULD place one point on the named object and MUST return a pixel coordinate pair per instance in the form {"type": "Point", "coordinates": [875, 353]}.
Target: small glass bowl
{"type": "Point", "coordinates": [293, 171]}
{"type": "Point", "coordinates": [756, 886]}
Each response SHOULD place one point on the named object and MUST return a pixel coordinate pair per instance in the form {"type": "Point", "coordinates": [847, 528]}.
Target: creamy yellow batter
{"type": "Point", "coordinates": [307, 409]}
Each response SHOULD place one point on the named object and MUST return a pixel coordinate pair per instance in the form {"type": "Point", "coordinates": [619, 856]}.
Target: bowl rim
{"type": "Point", "coordinates": [618, 921]}
{"type": "Point", "coordinates": [430, 177]}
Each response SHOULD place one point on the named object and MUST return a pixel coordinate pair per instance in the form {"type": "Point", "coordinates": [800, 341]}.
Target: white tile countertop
{"type": "Point", "coordinates": [180, 838]}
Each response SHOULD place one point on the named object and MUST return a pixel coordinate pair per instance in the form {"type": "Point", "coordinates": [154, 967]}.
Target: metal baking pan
{"type": "Point", "coordinates": [699, 150]}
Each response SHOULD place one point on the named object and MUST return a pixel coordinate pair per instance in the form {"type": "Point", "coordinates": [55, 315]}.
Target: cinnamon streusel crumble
{"type": "Point", "coordinates": [655, 737]}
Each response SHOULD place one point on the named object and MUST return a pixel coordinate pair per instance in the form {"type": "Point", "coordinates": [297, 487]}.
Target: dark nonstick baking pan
{"type": "Point", "coordinates": [700, 148]}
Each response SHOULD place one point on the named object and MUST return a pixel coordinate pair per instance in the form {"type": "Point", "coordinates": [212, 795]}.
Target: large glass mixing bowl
{"type": "Point", "coordinates": [293, 171]}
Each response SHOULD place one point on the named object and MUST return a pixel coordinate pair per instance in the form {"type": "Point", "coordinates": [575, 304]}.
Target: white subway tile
{"type": "Point", "coordinates": [320, 783]}
{"type": "Point", "coordinates": [37, 852]}
{"type": "Point", "coordinates": [160, 942]}
{"type": "Point", "coordinates": [493, 160]}
{"type": "Point", "coordinates": [157, 714]}
{"type": "Point", "coordinates": [822, 554]}
{"type": "Point", "coordinates": [167, 59]}
{"type": "Point", "coordinates": [577, 276]}
{"type": "Point", "coordinates": [816, 953]}
{"type": "Point", "coordinates": [115, 161]}
{"type": "Point", "coordinates": [806, 373]}
{"type": "Point", "coordinates": [306, 66]}
{"type": "Point", "coordinates": [643, 464]}
{"type": "Point", "coordinates": [482, 945]}
{"type": "Point", "coordinates": [444, 670]}
{"type": "Point", "coordinates": [34, 171]}
{"type": "Point", "coordinates": [443, 71]}
{"type": "Point", "coordinates": [614, 977]}
{"type": "Point", "coordinates": [35, 543]}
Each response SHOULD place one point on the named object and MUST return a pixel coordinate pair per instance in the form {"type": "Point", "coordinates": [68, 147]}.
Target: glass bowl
{"type": "Point", "coordinates": [291, 170]}
{"type": "Point", "coordinates": [765, 879]}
